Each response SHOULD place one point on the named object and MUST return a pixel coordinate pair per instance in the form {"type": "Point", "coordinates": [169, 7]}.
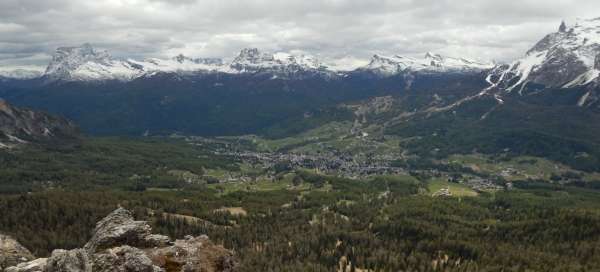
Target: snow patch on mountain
{"type": "Point", "coordinates": [345, 64]}
{"type": "Point", "coordinates": [179, 64]}
{"type": "Point", "coordinates": [388, 66]}
{"type": "Point", "coordinates": [252, 60]}
{"type": "Point", "coordinates": [566, 58]}
{"type": "Point", "coordinates": [20, 73]}
{"type": "Point", "coordinates": [85, 63]}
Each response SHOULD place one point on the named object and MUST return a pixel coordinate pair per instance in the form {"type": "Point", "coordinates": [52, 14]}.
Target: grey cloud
{"type": "Point", "coordinates": [486, 29]}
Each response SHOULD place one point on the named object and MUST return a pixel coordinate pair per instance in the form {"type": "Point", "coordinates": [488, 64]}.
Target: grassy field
{"type": "Point", "coordinates": [332, 136]}
{"type": "Point", "coordinates": [518, 168]}
{"type": "Point", "coordinates": [257, 186]}
{"type": "Point", "coordinates": [455, 189]}
{"type": "Point", "coordinates": [321, 134]}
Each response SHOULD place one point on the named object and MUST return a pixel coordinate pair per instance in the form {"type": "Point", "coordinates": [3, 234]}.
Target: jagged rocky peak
{"type": "Point", "coordinates": [302, 60]}
{"type": "Point", "coordinates": [435, 60]}
{"type": "Point", "coordinates": [429, 63]}
{"type": "Point", "coordinates": [120, 243]}
{"type": "Point", "coordinates": [66, 59]}
{"type": "Point", "coordinates": [20, 126]}
{"type": "Point", "coordinates": [181, 58]}
{"type": "Point", "coordinates": [565, 58]}
{"type": "Point", "coordinates": [252, 56]}
{"type": "Point", "coordinates": [383, 65]}
{"type": "Point", "coordinates": [279, 64]}
{"type": "Point", "coordinates": [562, 27]}
{"type": "Point", "coordinates": [208, 61]}
{"type": "Point", "coordinates": [434, 56]}
{"type": "Point", "coordinates": [84, 63]}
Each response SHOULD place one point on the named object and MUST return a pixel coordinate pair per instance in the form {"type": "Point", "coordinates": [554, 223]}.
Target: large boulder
{"type": "Point", "coordinates": [121, 244]}
{"type": "Point", "coordinates": [12, 252]}
{"type": "Point", "coordinates": [75, 260]}
{"type": "Point", "coordinates": [37, 265]}
{"type": "Point", "coordinates": [194, 254]}
{"type": "Point", "coordinates": [119, 228]}
{"type": "Point", "coordinates": [123, 259]}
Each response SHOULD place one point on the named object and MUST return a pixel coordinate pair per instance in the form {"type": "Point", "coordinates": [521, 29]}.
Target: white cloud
{"type": "Point", "coordinates": [349, 29]}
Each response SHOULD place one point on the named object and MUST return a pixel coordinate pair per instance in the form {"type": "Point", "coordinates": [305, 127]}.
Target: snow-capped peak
{"type": "Point", "coordinates": [69, 58]}
{"type": "Point", "coordinates": [85, 63]}
{"type": "Point", "coordinates": [565, 58]}
{"type": "Point", "coordinates": [430, 55]}
{"type": "Point", "coordinates": [179, 64]}
{"type": "Point", "coordinates": [429, 63]}
{"type": "Point", "coordinates": [253, 60]}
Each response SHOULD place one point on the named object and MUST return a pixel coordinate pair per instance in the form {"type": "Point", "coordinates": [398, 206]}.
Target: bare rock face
{"type": "Point", "coordinates": [597, 62]}
{"type": "Point", "coordinates": [119, 228]}
{"type": "Point", "coordinates": [75, 260]}
{"type": "Point", "coordinates": [124, 258]}
{"type": "Point", "coordinates": [18, 126]}
{"type": "Point", "coordinates": [194, 254]}
{"type": "Point", "coordinates": [12, 252]}
{"type": "Point", "coordinates": [121, 244]}
{"type": "Point", "coordinates": [38, 265]}
{"type": "Point", "coordinates": [561, 59]}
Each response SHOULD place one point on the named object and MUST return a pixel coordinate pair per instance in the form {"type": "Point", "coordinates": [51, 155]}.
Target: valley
{"type": "Point", "coordinates": [267, 208]}
{"type": "Point", "coordinates": [290, 163]}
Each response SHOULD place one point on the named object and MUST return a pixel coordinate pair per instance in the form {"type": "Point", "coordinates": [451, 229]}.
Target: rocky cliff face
{"type": "Point", "coordinates": [566, 58]}
{"type": "Point", "coordinates": [12, 252]}
{"type": "Point", "coordinates": [86, 63]}
{"type": "Point", "coordinates": [252, 60]}
{"type": "Point", "coordinates": [19, 126]}
{"type": "Point", "coordinates": [120, 243]}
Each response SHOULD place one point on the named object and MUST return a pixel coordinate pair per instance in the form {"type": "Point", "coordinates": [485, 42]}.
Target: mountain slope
{"type": "Point", "coordinates": [18, 126]}
{"type": "Point", "coordinates": [546, 104]}
{"type": "Point", "coordinates": [566, 58]}
{"type": "Point", "coordinates": [85, 63]}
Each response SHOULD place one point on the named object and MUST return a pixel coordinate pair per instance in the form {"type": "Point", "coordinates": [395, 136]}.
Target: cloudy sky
{"type": "Point", "coordinates": [351, 30]}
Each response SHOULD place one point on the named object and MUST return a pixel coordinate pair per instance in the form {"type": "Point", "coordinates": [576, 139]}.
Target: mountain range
{"type": "Point", "coordinates": [85, 63]}
{"type": "Point", "coordinates": [549, 97]}
{"type": "Point", "coordinates": [566, 58]}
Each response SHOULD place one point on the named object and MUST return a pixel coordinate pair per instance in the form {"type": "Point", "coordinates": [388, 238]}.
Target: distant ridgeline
{"type": "Point", "coordinates": [546, 103]}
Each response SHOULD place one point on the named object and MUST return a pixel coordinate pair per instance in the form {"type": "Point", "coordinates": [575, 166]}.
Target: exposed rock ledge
{"type": "Point", "coordinates": [120, 243]}
{"type": "Point", "coordinates": [12, 253]}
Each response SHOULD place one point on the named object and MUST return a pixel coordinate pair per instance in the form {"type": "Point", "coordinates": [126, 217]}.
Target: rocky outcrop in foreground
{"type": "Point", "coordinates": [12, 253]}
{"type": "Point", "coordinates": [120, 243]}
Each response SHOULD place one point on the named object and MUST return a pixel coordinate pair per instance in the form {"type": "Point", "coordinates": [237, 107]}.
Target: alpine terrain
{"type": "Point", "coordinates": [323, 136]}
